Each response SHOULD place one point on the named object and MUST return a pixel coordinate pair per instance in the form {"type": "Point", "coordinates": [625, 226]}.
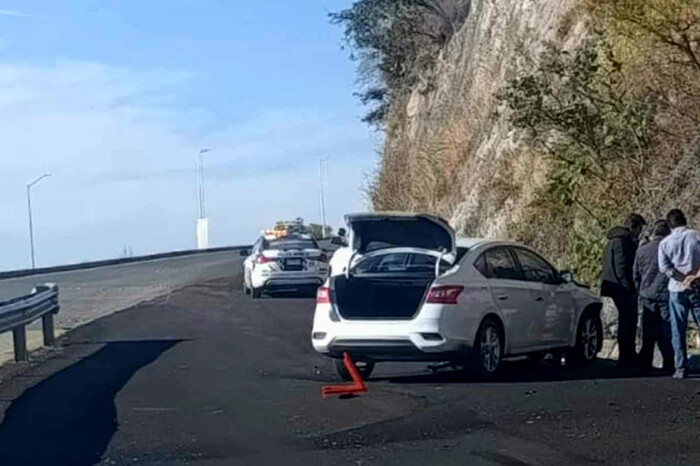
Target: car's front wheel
{"type": "Point", "coordinates": [488, 350]}
{"type": "Point", "coordinates": [365, 369]}
{"type": "Point", "coordinates": [589, 339]}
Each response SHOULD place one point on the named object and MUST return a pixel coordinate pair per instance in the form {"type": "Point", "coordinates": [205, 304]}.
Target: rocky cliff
{"type": "Point", "coordinates": [449, 151]}
{"type": "Point", "coordinates": [549, 121]}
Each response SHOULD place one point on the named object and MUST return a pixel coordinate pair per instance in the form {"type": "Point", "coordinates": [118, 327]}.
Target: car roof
{"type": "Point", "coordinates": [470, 243]}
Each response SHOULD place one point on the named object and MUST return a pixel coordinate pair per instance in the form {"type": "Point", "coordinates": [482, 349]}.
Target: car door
{"type": "Point", "coordinates": [513, 296]}
{"type": "Point", "coordinates": [551, 295]}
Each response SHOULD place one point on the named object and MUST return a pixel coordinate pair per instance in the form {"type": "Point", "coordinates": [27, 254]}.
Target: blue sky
{"type": "Point", "coordinates": [115, 97]}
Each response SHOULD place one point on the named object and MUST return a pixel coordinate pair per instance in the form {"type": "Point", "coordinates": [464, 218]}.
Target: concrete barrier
{"type": "Point", "coordinates": [108, 262]}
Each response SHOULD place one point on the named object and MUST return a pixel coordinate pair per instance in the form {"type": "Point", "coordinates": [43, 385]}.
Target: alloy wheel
{"type": "Point", "coordinates": [589, 339]}
{"type": "Point", "coordinates": [490, 349]}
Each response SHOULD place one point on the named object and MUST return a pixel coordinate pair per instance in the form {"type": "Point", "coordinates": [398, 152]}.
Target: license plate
{"type": "Point", "coordinates": [293, 262]}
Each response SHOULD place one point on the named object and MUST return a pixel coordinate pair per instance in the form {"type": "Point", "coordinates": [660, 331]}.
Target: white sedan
{"type": "Point", "coordinates": [289, 263]}
{"type": "Point", "coordinates": [406, 289]}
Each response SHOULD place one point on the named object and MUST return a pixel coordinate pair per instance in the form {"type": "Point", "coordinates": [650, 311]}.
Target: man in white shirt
{"type": "Point", "coordinates": [679, 259]}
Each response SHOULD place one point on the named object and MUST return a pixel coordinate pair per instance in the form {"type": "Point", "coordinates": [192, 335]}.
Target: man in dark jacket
{"type": "Point", "coordinates": [653, 293]}
{"type": "Point", "coordinates": [618, 282]}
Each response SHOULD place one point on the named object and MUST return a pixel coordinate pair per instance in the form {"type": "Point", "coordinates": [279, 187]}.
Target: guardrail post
{"type": "Point", "coordinates": [19, 337]}
{"type": "Point", "coordinates": [47, 325]}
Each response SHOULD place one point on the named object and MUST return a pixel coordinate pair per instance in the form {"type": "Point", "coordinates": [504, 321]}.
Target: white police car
{"type": "Point", "coordinates": [289, 263]}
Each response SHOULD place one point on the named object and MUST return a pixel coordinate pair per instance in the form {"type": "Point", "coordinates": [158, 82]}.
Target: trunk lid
{"type": "Point", "coordinates": [374, 232]}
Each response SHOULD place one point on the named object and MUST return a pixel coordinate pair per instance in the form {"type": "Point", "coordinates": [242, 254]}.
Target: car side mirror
{"type": "Point", "coordinates": [244, 253]}
{"type": "Point", "coordinates": [567, 276]}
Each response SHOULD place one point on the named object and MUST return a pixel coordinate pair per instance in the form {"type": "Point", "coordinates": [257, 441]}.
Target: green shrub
{"type": "Point", "coordinates": [575, 109]}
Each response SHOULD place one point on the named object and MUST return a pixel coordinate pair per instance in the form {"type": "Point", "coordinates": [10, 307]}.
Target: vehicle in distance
{"type": "Point", "coordinates": [288, 263]}
{"type": "Point", "coordinates": [405, 289]}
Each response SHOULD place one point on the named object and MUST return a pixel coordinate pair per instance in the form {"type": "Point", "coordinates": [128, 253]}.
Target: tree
{"type": "Point", "coordinates": [576, 109]}
{"type": "Point", "coordinates": [395, 41]}
{"type": "Point", "coordinates": [316, 231]}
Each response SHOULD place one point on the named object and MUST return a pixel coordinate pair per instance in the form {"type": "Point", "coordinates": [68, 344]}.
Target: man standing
{"type": "Point", "coordinates": [653, 293]}
{"type": "Point", "coordinates": [679, 258]}
{"type": "Point", "coordinates": [618, 282]}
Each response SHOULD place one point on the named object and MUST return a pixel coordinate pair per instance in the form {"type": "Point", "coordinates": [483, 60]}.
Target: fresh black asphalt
{"type": "Point", "coordinates": [207, 376]}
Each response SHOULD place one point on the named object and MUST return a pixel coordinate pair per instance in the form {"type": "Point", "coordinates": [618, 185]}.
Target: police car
{"type": "Point", "coordinates": [293, 262]}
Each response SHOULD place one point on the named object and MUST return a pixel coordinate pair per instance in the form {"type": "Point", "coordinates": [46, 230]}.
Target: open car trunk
{"type": "Point", "coordinates": [396, 257]}
{"type": "Point", "coordinates": [380, 297]}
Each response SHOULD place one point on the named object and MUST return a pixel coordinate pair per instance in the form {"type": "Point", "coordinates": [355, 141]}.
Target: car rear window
{"type": "Point", "coordinates": [284, 245]}
{"type": "Point", "coordinates": [401, 262]}
{"type": "Point", "coordinates": [461, 252]}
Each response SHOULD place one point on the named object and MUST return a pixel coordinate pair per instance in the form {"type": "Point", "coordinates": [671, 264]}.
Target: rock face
{"type": "Point", "coordinates": [461, 158]}
{"type": "Point", "coordinates": [450, 148]}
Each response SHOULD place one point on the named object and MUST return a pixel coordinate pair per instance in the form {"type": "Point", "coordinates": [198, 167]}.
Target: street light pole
{"type": "Point", "coordinates": [29, 212]}
{"type": "Point", "coordinates": [202, 221]}
{"type": "Point", "coordinates": [322, 196]}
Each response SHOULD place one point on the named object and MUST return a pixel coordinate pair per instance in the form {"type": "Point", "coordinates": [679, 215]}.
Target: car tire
{"type": "Point", "coordinates": [246, 290]}
{"type": "Point", "coordinates": [365, 369]}
{"type": "Point", "coordinates": [589, 339]}
{"type": "Point", "coordinates": [488, 349]}
{"type": "Point", "coordinates": [256, 293]}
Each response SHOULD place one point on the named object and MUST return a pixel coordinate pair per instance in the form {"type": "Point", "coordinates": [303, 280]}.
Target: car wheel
{"type": "Point", "coordinates": [488, 350]}
{"type": "Point", "coordinates": [365, 369]}
{"type": "Point", "coordinates": [589, 338]}
{"type": "Point", "coordinates": [255, 293]}
{"type": "Point", "coordinates": [246, 290]}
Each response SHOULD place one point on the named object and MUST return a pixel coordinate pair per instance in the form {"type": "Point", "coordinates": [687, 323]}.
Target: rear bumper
{"type": "Point", "coordinates": [429, 336]}
{"type": "Point", "coordinates": [394, 350]}
{"type": "Point", "coordinates": [288, 280]}
{"type": "Point", "coordinates": [285, 283]}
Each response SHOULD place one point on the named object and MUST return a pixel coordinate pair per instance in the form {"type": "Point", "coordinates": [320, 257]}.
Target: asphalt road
{"type": "Point", "coordinates": [206, 376]}
{"type": "Point", "coordinates": [86, 295]}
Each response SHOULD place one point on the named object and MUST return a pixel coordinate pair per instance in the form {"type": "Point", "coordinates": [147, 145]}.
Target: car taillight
{"type": "Point", "coordinates": [444, 294]}
{"type": "Point", "coordinates": [323, 295]}
{"type": "Point", "coordinates": [265, 260]}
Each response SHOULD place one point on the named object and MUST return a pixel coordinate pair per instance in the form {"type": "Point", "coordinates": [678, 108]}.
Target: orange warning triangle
{"type": "Point", "coordinates": [357, 385]}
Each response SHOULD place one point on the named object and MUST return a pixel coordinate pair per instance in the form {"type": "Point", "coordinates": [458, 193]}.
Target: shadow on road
{"type": "Point", "coordinates": [523, 371]}
{"type": "Point", "coordinates": [69, 418]}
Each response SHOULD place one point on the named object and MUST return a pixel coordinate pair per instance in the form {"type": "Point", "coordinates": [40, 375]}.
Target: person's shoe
{"type": "Point", "coordinates": [679, 374]}
{"type": "Point", "coordinates": [668, 370]}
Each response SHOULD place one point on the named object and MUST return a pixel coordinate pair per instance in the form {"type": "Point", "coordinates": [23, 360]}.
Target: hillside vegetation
{"type": "Point", "coordinates": [542, 121]}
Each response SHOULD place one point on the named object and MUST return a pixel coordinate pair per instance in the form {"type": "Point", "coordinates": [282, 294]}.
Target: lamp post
{"type": "Point", "coordinates": [29, 212]}
{"type": "Point", "coordinates": [322, 195]}
{"type": "Point", "coordinates": [202, 220]}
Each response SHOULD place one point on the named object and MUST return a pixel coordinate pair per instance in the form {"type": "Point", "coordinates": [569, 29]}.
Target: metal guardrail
{"type": "Point", "coordinates": [17, 313]}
